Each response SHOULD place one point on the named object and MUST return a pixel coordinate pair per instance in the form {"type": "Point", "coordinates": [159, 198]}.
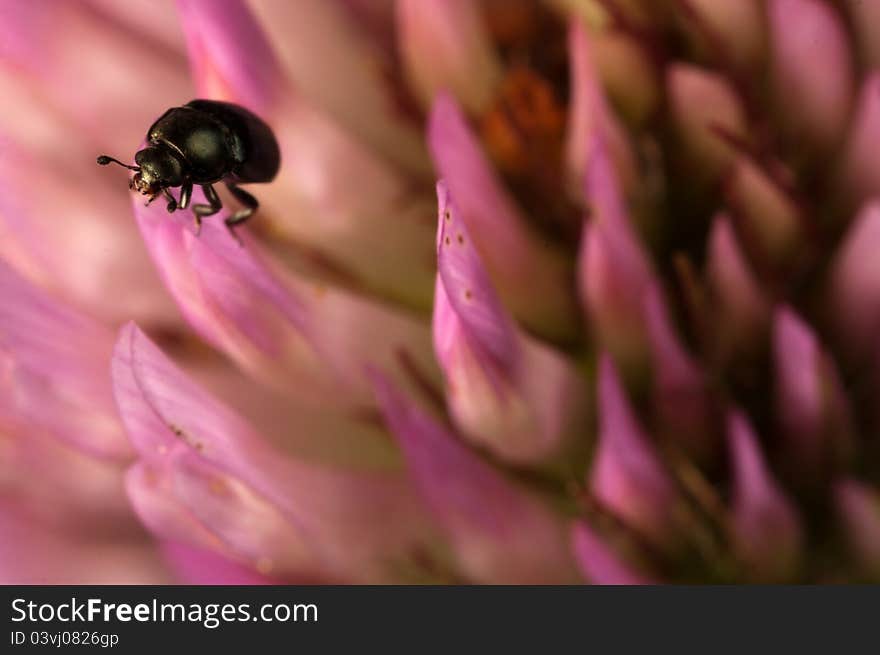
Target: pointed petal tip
{"type": "Point", "coordinates": [627, 473]}
{"type": "Point", "coordinates": [767, 526]}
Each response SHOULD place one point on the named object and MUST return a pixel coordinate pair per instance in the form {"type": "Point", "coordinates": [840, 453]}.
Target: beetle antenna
{"type": "Point", "coordinates": [103, 160]}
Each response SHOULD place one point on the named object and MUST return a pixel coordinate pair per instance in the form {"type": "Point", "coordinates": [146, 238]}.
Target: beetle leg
{"type": "Point", "coordinates": [214, 200]}
{"type": "Point", "coordinates": [200, 209]}
{"type": "Point", "coordinates": [185, 195]}
{"type": "Point", "coordinates": [241, 215]}
{"type": "Point", "coordinates": [172, 203]}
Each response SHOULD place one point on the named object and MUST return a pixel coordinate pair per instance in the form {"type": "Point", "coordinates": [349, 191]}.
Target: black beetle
{"type": "Point", "coordinates": [204, 142]}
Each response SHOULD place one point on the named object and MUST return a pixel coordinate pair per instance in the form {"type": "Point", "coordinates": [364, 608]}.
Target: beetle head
{"type": "Point", "coordinates": [158, 168]}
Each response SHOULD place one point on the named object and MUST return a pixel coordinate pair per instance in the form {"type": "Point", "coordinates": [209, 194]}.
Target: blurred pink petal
{"type": "Point", "coordinates": [702, 103]}
{"type": "Point", "coordinates": [163, 26]}
{"type": "Point", "coordinates": [196, 566]}
{"type": "Point", "coordinates": [531, 277]}
{"type": "Point", "coordinates": [627, 72]}
{"type": "Point", "coordinates": [590, 116]}
{"type": "Point", "coordinates": [737, 26]}
{"type": "Point", "coordinates": [809, 399]}
{"type": "Point", "coordinates": [500, 534]}
{"type": "Point", "coordinates": [681, 397]}
{"type": "Point", "coordinates": [854, 285]}
{"type": "Point", "coordinates": [766, 524]}
{"type": "Point", "coordinates": [742, 309]}
{"type": "Point", "coordinates": [861, 167]}
{"type": "Point", "coordinates": [445, 47]}
{"type": "Point", "coordinates": [613, 270]}
{"type": "Point", "coordinates": [627, 475]}
{"type": "Point", "coordinates": [769, 215]}
{"type": "Point", "coordinates": [506, 391]}
{"type": "Point", "coordinates": [600, 563]}
{"type": "Point", "coordinates": [213, 478]}
{"type": "Point", "coordinates": [60, 485]}
{"type": "Point", "coordinates": [35, 554]}
{"type": "Point", "coordinates": [218, 33]}
{"type": "Point", "coordinates": [859, 509]}
{"type": "Point", "coordinates": [64, 222]}
{"type": "Point", "coordinates": [330, 61]}
{"type": "Point", "coordinates": [92, 71]}
{"type": "Point", "coordinates": [56, 360]}
{"type": "Point", "coordinates": [812, 70]}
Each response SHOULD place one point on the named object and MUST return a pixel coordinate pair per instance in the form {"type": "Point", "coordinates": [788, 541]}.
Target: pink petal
{"type": "Point", "coordinates": [598, 561]}
{"type": "Point", "coordinates": [54, 483]}
{"type": "Point", "coordinates": [35, 554]}
{"type": "Point", "coordinates": [163, 27]}
{"type": "Point", "coordinates": [861, 167]}
{"type": "Point", "coordinates": [742, 308]}
{"type": "Point", "coordinates": [56, 361]}
{"type": "Point", "coordinates": [809, 399]}
{"type": "Point", "coordinates": [738, 26]}
{"type": "Point", "coordinates": [854, 286]}
{"type": "Point", "coordinates": [446, 47]}
{"type": "Point", "coordinates": [532, 279]}
{"type": "Point", "coordinates": [703, 102]}
{"type": "Point", "coordinates": [91, 69]}
{"type": "Point", "coordinates": [468, 291]}
{"type": "Point", "coordinates": [245, 521]}
{"type": "Point", "coordinates": [53, 221]}
{"type": "Point", "coordinates": [327, 56]}
{"type": "Point", "coordinates": [229, 52]}
{"type": "Point", "coordinates": [859, 508]}
{"type": "Point", "coordinates": [499, 533]}
{"type": "Point", "coordinates": [680, 395]}
{"type": "Point", "coordinates": [60, 86]}
{"type": "Point", "coordinates": [799, 399]}
{"type": "Point", "coordinates": [766, 524]}
{"type": "Point", "coordinates": [291, 333]}
{"type": "Point", "coordinates": [628, 74]}
{"type": "Point", "coordinates": [813, 93]}
{"type": "Point", "coordinates": [342, 201]}
{"type": "Point", "coordinates": [613, 270]}
{"type": "Point", "coordinates": [591, 117]}
{"type": "Point", "coordinates": [195, 566]}
{"type": "Point", "coordinates": [627, 475]}
{"type": "Point", "coordinates": [768, 213]}
{"type": "Point", "coordinates": [506, 391]}
{"type": "Point", "coordinates": [195, 446]}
